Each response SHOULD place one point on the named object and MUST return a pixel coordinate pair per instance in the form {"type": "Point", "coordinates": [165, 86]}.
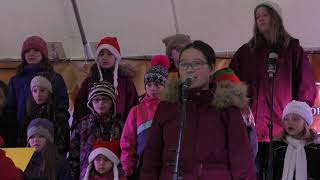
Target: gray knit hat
{"type": "Point", "coordinates": [42, 127]}
{"type": "Point", "coordinates": [102, 88]}
{"type": "Point", "coordinates": [175, 40]}
{"type": "Point", "coordinates": [41, 81]}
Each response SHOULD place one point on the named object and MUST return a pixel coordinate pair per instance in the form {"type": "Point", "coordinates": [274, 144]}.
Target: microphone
{"type": "Point", "coordinates": [272, 63]}
{"type": "Point", "coordinates": [187, 82]}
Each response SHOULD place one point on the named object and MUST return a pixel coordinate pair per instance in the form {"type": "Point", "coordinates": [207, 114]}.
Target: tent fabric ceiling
{"type": "Point", "coordinates": [140, 25]}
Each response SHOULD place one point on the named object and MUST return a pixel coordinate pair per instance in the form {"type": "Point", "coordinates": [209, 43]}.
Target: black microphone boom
{"type": "Point", "coordinates": [187, 82]}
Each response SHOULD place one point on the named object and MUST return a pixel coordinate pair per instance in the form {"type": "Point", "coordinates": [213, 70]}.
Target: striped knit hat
{"type": "Point", "coordinates": [225, 74]}
{"type": "Point", "coordinates": [103, 88]}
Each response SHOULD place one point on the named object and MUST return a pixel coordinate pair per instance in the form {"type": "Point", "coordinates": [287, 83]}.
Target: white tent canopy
{"type": "Point", "coordinates": [140, 25]}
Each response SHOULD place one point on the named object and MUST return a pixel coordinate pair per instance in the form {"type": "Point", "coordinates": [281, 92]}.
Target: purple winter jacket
{"type": "Point", "coordinates": [250, 67]}
{"type": "Point", "coordinates": [215, 142]}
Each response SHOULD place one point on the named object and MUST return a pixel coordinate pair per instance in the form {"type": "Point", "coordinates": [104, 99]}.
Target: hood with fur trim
{"type": "Point", "coordinates": [226, 94]}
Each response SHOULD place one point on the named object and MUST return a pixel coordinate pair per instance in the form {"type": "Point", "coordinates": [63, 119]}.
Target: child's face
{"type": "Point", "coordinates": [38, 142]}
{"type": "Point", "coordinates": [193, 63]}
{"type": "Point", "coordinates": [40, 94]}
{"type": "Point", "coordinates": [33, 56]}
{"type": "Point", "coordinates": [294, 124]}
{"type": "Point", "coordinates": [102, 104]}
{"type": "Point", "coordinates": [106, 59]}
{"type": "Point", "coordinates": [102, 164]}
{"type": "Point", "coordinates": [154, 89]}
{"type": "Point", "coordinates": [2, 99]}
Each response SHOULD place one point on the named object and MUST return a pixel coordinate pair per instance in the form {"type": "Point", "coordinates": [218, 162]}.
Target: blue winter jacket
{"type": "Point", "coordinates": [19, 91]}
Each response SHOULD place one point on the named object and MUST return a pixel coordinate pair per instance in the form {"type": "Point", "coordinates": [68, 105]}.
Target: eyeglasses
{"type": "Point", "coordinates": [195, 65]}
{"type": "Point", "coordinates": [98, 99]}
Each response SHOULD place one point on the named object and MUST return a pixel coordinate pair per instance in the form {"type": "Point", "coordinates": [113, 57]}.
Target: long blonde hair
{"type": "Point", "coordinates": [279, 35]}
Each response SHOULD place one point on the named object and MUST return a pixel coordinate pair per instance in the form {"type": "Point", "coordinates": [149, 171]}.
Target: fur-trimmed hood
{"type": "Point", "coordinates": [226, 93]}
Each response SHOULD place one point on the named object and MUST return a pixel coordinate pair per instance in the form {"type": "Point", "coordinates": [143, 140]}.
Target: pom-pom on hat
{"type": "Point", "coordinates": [111, 44]}
{"type": "Point", "coordinates": [34, 42]}
{"type": "Point", "coordinates": [158, 71]}
{"type": "Point", "coordinates": [109, 149]}
{"type": "Point", "coordinates": [300, 108]}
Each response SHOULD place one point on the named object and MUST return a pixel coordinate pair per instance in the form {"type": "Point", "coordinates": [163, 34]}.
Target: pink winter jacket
{"type": "Point", "coordinates": [135, 133]}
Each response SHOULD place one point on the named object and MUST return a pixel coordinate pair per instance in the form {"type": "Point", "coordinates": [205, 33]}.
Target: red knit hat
{"type": "Point", "coordinates": [109, 149]}
{"type": "Point", "coordinates": [35, 42]}
{"type": "Point", "coordinates": [226, 74]}
{"type": "Point", "coordinates": [111, 44]}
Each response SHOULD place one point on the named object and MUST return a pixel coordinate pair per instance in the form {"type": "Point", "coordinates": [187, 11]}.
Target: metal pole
{"type": "Point", "coordinates": [86, 46]}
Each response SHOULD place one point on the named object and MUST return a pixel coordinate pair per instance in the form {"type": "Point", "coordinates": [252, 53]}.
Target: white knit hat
{"type": "Point", "coordinates": [41, 81]}
{"type": "Point", "coordinates": [109, 149]}
{"type": "Point", "coordinates": [111, 44]}
{"type": "Point", "coordinates": [272, 5]}
{"type": "Point", "coordinates": [300, 108]}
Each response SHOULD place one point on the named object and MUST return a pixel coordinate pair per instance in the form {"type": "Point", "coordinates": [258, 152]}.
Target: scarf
{"type": "Point", "coordinates": [295, 161]}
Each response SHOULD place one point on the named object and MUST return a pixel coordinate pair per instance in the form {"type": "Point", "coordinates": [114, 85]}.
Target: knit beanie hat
{"type": "Point", "coordinates": [225, 74]}
{"type": "Point", "coordinates": [42, 127]}
{"type": "Point", "coordinates": [173, 41]}
{"type": "Point", "coordinates": [109, 149]}
{"type": "Point", "coordinates": [300, 108]}
{"type": "Point", "coordinates": [35, 42]}
{"type": "Point", "coordinates": [158, 71]}
{"type": "Point", "coordinates": [272, 5]}
{"type": "Point", "coordinates": [41, 81]}
{"type": "Point", "coordinates": [111, 44]}
{"type": "Point", "coordinates": [103, 88]}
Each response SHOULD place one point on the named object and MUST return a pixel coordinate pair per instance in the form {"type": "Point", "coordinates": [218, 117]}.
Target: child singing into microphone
{"type": "Point", "coordinates": [215, 142]}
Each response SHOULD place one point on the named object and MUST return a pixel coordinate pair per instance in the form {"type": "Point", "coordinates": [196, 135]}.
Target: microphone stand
{"type": "Point", "coordinates": [271, 71]}
{"type": "Point", "coordinates": [176, 171]}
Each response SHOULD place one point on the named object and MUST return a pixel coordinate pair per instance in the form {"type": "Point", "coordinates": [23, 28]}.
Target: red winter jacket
{"type": "Point", "coordinates": [8, 169]}
{"type": "Point", "coordinates": [250, 67]}
{"type": "Point", "coordinates": [215, 142]}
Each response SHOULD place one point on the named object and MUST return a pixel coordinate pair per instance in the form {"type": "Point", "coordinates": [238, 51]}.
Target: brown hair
{"type": "Point", "coordinates": [279, 36]}
{"type": "Point", "coordinates": [48, 158]}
